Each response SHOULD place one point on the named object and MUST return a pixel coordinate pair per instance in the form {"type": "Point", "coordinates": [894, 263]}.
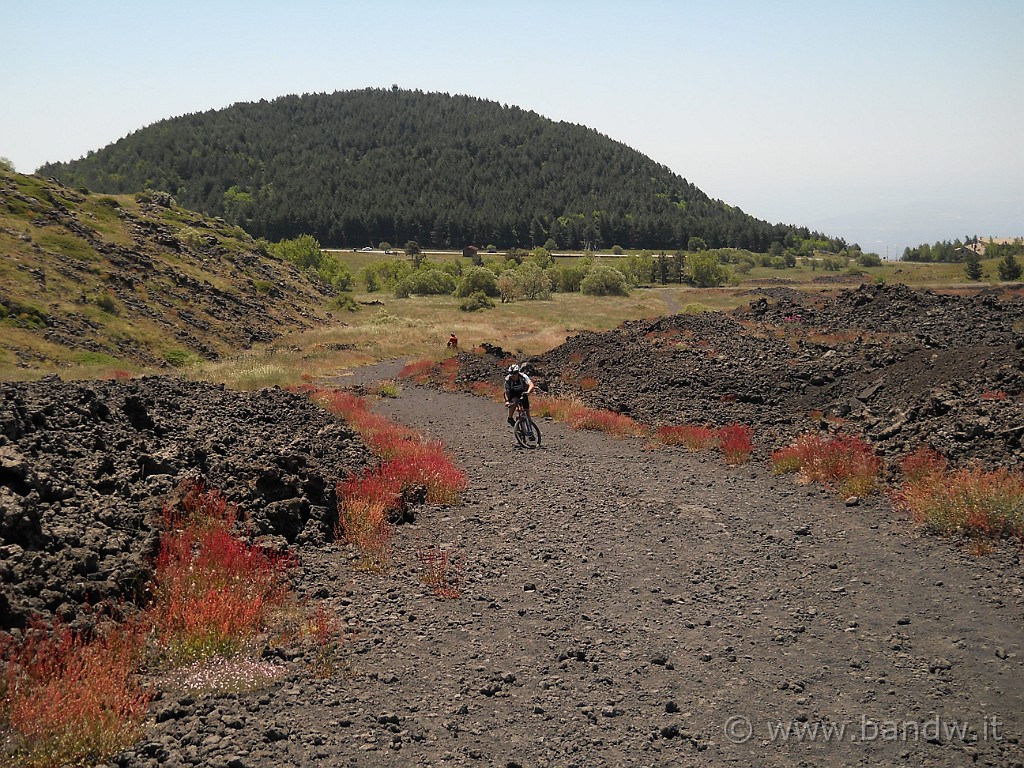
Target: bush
{"type": "Point", "coordinates": [425, 282]}
{"type": "Point", "coordinates": [541, 257]}
{"type": "Point", "coordinates": [706, 272]}
{"type": "Point", "coordinates": [343, 301]}
{"type": "Point", "coordinates": [567, 279]}
{"type": "Point", "coordinates": [533, 282]}
{"type": "Point", "coordinates": [181, 358]}
{"type": "Point", "coordinates": [476, 301]}
{"type": "Point", "coordinates": [213, 591]}
{"type": "Point", "coordinates": [477, 280]}
{"type": "Point", "coordinates": [385, 274]}
{"type": "Point", "coordinates": [509, 286]}
{"type": "Point", "coordinates": [335, 272]}
{"type": "Point", "coordinates": [106, 302]}
{"type": "Point", "coordinates": [736, 443]}
{"type": "Point", "coordinates": [302, 251]}
{"type": "Point", "coordinates": [602, 280]}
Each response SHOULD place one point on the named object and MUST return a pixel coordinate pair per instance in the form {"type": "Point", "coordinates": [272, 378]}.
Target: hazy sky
{"type": "Point", "coordinates": [887, 123]}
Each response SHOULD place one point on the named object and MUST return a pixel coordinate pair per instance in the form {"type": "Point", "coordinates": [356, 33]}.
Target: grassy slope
{"type": "Point", "coordinates": [93, 282]}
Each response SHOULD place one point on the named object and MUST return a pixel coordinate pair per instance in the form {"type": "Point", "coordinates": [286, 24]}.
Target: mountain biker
{"type": "Point", "coordinates": [518, 387]}
{"type": "Point", "coordinates": [453, 342]}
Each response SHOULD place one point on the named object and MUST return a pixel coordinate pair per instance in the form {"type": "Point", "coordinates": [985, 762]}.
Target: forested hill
{"type": "Point", "coordinates": [356, 168]}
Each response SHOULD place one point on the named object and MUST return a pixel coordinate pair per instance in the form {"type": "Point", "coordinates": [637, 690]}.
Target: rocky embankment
{"type": "Point", "coordinates": [86, 467]}
{"type": "Point", "coordinates": [901, 366]}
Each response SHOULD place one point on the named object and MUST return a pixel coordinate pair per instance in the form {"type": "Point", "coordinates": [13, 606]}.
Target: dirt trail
{"type": "Point", "coordinates": [624, 607]}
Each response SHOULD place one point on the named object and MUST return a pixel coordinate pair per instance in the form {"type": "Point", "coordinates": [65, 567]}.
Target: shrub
{"type": "Point", "coordinates": [303, 251]}
{"type": "Point", "coordinates": [568, 278]}
{"type": "Point", "coordinates": [335, 272]}
{"type": "Point", "coordinates": [1009, 268]}
{"type": "Point", "coordinates": [534, 284]}
{"type": "Point", "coordinates": [510, 286]}
{"type": "Point", "coordinates": [705, 271]}
{"type": "Point", "coordinates": [476, 301]}
{"type": "Point", "coordinates": [996, 394]}
{"type": "Point", "coordinates": [419, 371]}
{"type": "Point", "coordinates": [385, 274]}
{"type": "Point", "coordinates": [407, 463]}
{"type": "Point", "coordinates": [488, 390]}
{"type": "Point", "coordinates": [107, 303]}
{"type": "Point", "coordinates": [477, 280]}
{"type": "Point", "coordinates": [602, 280]}
{"type": "Point", "coordinates": [181, 358]}
{"type": "Point", "coordinates": [844, 462]}
{"type": "Point", "coordinates": [923, 462]}
{"type": "Point", "coordinates": [425, 282]}
{"type": "Point", "coordinates": [343, 301]}
{"type": "Point", "coordinates": [363, 508]}
{"type": "Point", "coordinates": [616, 424]}
{"type": "Point", "coordinates": [579, 416]}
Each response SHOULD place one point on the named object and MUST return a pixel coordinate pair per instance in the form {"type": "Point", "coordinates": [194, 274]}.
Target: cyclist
{"type": "Point", "coordinates": [453, 342]}
{"type": "Point", "coordinates": [518, 387]}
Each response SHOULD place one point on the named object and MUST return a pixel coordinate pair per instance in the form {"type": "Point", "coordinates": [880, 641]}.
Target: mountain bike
{"type": "Point", "coordinates": [526, 430]}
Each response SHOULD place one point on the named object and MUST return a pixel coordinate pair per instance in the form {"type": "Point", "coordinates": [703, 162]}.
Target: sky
{"type": "Point", "coordinates": [889, 124]}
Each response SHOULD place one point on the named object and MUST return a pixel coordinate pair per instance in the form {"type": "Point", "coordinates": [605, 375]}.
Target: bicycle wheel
{"type": "Point", "coordinates": [527, 432]}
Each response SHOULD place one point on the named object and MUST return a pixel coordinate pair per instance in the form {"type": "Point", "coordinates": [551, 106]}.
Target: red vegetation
{"type": "Point", "coordinates": [442, 571]}
{"type": "Point", "coordinates": [695, 438]}
{"type": "Point", "coordinates": [736, 443]}
{"type": "Point", "coordinates": [68, 698]}
{"type": "Point", "coordinates": [407, 463]}
{"type": "Point", "coordinates": [578, 416]}
{"type": "Point", "coordinates": [997, 394]}
{"type": "Point", "coordinates": [844, 462]}
{"type": "Point", "coordinates": [734, 440]}
{"type": "Point", "coordinates": [419, 371]}
{"type": "Point", "coordinates": [212, 591]}
{"type": "Point", "coordinates": [970, 500]}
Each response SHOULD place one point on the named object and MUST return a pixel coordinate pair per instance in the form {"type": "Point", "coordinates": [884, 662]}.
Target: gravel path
{"type": "Point", "coordinates": [628, 607]}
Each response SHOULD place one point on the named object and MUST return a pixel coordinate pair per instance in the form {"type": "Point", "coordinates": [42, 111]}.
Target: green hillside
{"type": "Point", "coordinates": [360, 167]}
{"type": "Point", "coordinates": [133, 281]}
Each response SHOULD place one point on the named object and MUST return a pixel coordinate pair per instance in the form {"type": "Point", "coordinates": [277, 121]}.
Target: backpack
{"type": "Point", "coordinates": [515, 384]}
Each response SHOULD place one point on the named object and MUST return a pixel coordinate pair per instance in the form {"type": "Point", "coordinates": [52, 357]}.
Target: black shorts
{"type": "Point", "coordinates": [523, 398]}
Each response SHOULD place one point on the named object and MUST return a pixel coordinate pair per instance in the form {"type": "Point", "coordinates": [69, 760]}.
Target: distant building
{"type": "Point", "coordinates": [470, 251]}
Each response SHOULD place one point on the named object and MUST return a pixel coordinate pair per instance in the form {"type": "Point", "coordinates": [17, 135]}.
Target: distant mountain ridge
{"type": "Point", "coordinates": [356, 168]}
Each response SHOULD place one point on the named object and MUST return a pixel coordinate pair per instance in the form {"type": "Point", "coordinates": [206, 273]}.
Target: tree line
{"type": "Point", "coordinates": [358, 167]}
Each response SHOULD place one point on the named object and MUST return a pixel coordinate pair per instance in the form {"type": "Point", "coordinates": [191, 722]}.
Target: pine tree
{"type": "Point", "coordinates": [1009, 268]}
{"type": "Point", "coordinates": [972, 266]}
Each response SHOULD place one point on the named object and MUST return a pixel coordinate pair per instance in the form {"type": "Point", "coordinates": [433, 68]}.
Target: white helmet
{"type": "Point", "coordinates": [513, 368]}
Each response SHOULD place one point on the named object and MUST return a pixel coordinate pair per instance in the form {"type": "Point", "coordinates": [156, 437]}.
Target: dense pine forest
{"type": "Point", "coordinates": [357, 168]}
